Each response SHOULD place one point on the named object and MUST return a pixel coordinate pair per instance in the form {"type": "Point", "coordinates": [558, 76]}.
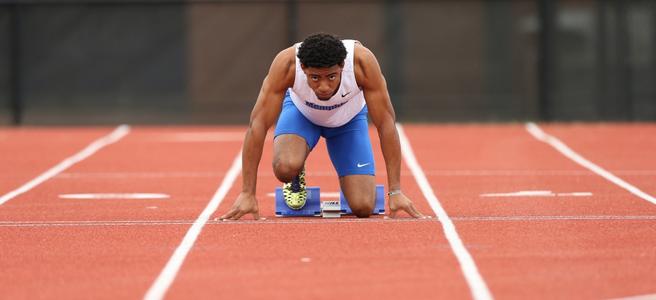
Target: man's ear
{"type": "Point", "coordinates": [303, 66]}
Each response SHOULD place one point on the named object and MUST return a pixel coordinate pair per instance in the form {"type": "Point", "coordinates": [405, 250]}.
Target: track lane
{"type": "Point", "coordinates": [626, 150]}
{"type": "Point", "coordinates": [109, 261]}
{"type": "Point", "coordinates": [520, 258]}
{"type": "Point", "coordinates": [317, 259]}
{"type": "Point", "coordinates": [532, 258]}
{"type": "Point", "coordinates": [26, 152]}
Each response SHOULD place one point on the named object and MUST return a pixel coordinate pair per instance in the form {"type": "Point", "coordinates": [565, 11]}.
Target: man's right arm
{"type": "Point", "coordinates": [264, 115]}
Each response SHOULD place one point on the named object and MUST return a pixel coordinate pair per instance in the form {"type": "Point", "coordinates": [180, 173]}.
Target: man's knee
{"type": "Point", "coordinates": [362, 208]}
{"type": "Point", "coordinates": [286, 169]}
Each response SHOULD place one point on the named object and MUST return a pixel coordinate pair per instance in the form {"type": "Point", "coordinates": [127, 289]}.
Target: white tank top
{"type": "Point", "coordinates": [341, 107]}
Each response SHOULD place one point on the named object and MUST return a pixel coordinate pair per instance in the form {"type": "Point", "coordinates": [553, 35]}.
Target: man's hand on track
{"type": "Point", "coordinates": [245, 204]}
{"type": "Point", "coordinates": [399, 202]}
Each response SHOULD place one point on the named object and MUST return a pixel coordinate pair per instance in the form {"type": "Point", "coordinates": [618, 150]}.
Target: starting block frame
{"type": "Point", "coordinates": [313, 205]}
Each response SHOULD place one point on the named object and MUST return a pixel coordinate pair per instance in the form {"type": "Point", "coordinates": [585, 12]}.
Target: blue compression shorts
{"type": "Point", "coordinates": [348, 145]}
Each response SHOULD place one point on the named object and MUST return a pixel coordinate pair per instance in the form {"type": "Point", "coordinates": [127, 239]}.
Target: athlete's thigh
{"type": "Point", "coordinates": [350, 149]}
{"type": "Point", "coordinates": [295, 135]}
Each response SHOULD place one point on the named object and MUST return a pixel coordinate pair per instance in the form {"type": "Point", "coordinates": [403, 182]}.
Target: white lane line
{"type": "Point", "coordinates": [532, 172]}
{"type": "Point", "coordinates": [114, 196]}
{"type": "Point", "coordinates": [320, 221]}
{"type": "Point", "coordinates": [521, 194]}
{"type": "Point", "coordinates": [98, 144]}
{"type": "Point", "coordinates": [575, 194]}
{"type": "Point", "coordinates": [469, 173]}
{"type": "Point", "coordinates": [201, 137]}
{"type": "Point", "coordinates": [554, 142]}
{"type": "Point", "coordinates": [138, 175]}
{"type": "Point", "coordinates": [556, 218]}
{"type": "Point", "coordinates": [170, 271]}
{"type": "Point", "coordinates": [477, 285]}
{"type": "Point", "coordinates": [639, 297]}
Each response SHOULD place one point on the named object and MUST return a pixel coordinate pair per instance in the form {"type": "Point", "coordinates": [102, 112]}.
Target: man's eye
{"type": "Point", "coordinates": [314, 78]}
{"type": "Point", "coordinates": [333, 77]}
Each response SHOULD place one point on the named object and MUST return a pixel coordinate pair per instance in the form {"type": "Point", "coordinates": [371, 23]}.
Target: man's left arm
{"type": "Point", "coordinates": [370, 77]}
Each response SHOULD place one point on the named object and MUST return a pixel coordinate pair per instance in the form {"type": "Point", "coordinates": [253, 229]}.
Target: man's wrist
{"type": "Point", "coordinates": [248, 192]}
{"type": "Point", "coordinates": [393, 192]}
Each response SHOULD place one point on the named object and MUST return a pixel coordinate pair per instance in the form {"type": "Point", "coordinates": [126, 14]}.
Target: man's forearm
{"type": "Point", "coordinates": [251, 155]}
{"type": "Point", "coordinates": [391, 147]}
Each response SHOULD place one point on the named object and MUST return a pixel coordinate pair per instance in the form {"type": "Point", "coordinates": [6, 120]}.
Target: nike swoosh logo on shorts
{"type": "Point", "coordinates": [362, 165]}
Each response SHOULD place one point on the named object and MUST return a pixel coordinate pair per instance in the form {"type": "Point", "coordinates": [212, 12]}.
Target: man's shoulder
{"type": "Point", "coordinates": [289, 52]}
{"type": "Point", "coordinates": [286, 57]}
{"type": "Point", "coordinates": [364, 64]}
{"type": "Point", "coordinates": [284, 66]}
{"type": "Point", "coordinates": [362, 54]}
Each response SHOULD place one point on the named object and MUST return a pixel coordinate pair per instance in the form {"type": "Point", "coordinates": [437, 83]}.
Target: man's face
{"type": "Point", "coordinates": [324, 81]}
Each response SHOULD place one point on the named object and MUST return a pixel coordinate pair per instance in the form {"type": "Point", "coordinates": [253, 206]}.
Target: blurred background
{"type": "Point", "coordinates": [67, 62]}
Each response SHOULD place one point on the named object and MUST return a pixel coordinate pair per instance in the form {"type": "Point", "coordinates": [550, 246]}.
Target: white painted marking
{"type": "Point", "coordinates": [306, 259]}
{"type": "Point", "coordinates": [556, 218]}
{"type": "Point", "coordinates": [202, 137]}
{"type": "Point", "coordinates": [554, 142]}
{"type": "Point", "coordinates": [92, 148]}
{"type": "Point", "coordinates": [115, 196]}
{"type": "Point", "coordinates": [170, 271]}
{"type": "Point", "coordinates": [318, 221]}
{"type": "Point", "coordinates": [322, 195]}
{"type": "Point", "coordinates": [532, 172]}
{"type": "Point", "coordinates": [575, 194]}
{"type": "Point", "coordinates": [313, 174]}
{"type": "Point", "coordinates": [537, 194]}
{"type": "Point", "coordinates": [521, 194]}
{"type": "Point", "coordinates": [639, 297]}
{"type": "Point", "coordinates": [130, 175]}
{"type": "Point", "coordinates": [151, 207]}
{"type": "Point", "coordinates": [477, 285]}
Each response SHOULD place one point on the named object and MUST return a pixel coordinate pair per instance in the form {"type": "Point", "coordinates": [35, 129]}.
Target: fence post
{"type": "Point", "coordinates": [16, 104]}
{"type": "Point", "coordinates": [393, 32]}
{"type": "Point", "coordinates": [602, 89]}
{"type": "Point", "coordinates": [624, 74]}
{"type": "Point", "coordinates": [546, 40]}
{"type": "Point", "coordinates": [292, 22]}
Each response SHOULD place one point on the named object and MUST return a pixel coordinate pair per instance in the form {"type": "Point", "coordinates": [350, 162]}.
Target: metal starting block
{"type": "Point", "coordinates": [331, 209]}
{"type": "Point", "coordinates": [328, 209]}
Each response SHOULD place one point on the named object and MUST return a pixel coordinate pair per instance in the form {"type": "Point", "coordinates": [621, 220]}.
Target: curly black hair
{"type": "Point", "coordinates": [321, 50]}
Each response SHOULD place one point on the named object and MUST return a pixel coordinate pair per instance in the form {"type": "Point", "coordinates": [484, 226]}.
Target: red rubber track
{"type": "Point", "coordinates": [529, 247]}
{"type": "Point", "coordinates": [27, 152]}
{"type": "Point", "coordinates": [626, 150]}
{"type": "Point", "coordinates": [528, 258]}
{"type": "Point", "coordinates": [374, 259]}
{"type": "Point", "coordinates": [108, 261]}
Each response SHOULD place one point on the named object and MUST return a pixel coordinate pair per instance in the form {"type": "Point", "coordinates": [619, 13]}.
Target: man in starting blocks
{"type": "Point", "coordinates": [323, 87]}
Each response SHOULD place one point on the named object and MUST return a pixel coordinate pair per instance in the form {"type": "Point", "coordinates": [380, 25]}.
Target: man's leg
{"type": "Point", "coordinates": [289, 154]}
{"type": "Point", "coordinates": [360, 192]}
{"type": "Point", "coordinates": [295, 136]}
{"type": "Point", "coordinates": [350, 151]}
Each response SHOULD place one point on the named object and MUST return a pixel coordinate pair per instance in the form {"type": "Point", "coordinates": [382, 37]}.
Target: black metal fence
{"type": "Point", "coordinates": [104, 61]}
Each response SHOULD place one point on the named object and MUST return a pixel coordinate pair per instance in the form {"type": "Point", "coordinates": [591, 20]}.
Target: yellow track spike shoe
{"type": "Point", "coordinates": [295, 193]}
